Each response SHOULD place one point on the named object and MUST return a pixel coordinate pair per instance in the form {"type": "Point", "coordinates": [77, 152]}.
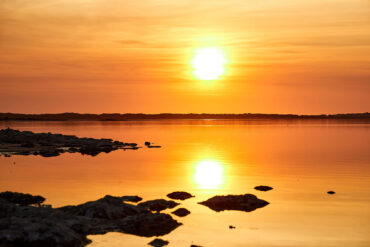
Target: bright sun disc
{"type": "Point", "coordinates": [209, 63]}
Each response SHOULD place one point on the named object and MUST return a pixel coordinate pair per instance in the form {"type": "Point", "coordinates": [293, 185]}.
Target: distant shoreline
{"type": "Point", "coordinates": [173, 116]}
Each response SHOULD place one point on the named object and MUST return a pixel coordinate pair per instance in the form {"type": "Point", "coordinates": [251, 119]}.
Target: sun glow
{"type": "Point", "coordinates": [209, 174]}
{"type": "Point", "coordinates": [209, 63]}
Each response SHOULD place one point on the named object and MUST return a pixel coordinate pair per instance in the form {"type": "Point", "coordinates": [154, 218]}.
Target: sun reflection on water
{"type": "Point", "coordinates": [209, 174]}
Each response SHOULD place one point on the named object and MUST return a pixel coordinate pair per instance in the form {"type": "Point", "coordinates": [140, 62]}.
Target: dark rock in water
{"type": "Point", "coordinates": [158, 242]}
{"type": "Point", "coordinates": [109, 208]}
{"type": "Point", "coordinates": [33, 232]}
{"type": "Point", "coordinates": [247, 203]}
{"type": "Point", "coordinates": [68, 226]}
{"type": "Point", "coordinates": [181, 212]}
{"type": "Point", "coordinates": [263, 188]}
{"type": "Point", "coordinates": [231, 227]}
{"type": "Point", "coordinates": [21, 199]}
{"type": "Point", "coordinates": [131, 198]}
{"type": "Point", "coordinates": [331, 192]}
{"type": "Point", "coordinates": [50, 145]}
{"type": "Point", "coordinates": [193, 245]}
{"type": "Point", "coordinates": [147, 143]}
{"type": "Point", "coordinates": [180, 195]}
{"type": "Point", "coordinates": [158, 204]}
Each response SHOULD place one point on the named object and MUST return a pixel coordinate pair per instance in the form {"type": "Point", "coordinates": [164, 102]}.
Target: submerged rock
{"type": "Point", "coordinates": [247, 203]}
{"type": "Point", "coordinates": [180, 195]}
{"type": "Point", "coordinates": [263, 188]}
{"type": "Point", "coordinates": [158, 205]}
{"type": "Point", "coordinates": [158, 242]}
{"type": "Point", "coordinates": [181, 212]}
{"type": "Point", "coordinates": [21, 199]}
{"type": "Point", "coordinates": [68, 226]}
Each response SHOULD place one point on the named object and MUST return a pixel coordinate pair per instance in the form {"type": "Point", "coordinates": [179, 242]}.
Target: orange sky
{"type": "Point", "coordinates": [307, 56]}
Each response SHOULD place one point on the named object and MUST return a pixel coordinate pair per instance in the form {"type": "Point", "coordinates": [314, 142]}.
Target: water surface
{"type": "Point", "coordinates": [302, 161]}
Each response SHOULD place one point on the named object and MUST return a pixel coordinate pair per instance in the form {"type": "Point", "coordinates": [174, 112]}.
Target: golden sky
{"type": "Point", "coordinates": [286, 56]}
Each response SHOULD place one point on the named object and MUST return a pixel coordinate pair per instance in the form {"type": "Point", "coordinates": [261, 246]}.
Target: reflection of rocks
{"type": "Point", "coordinates": [69, 226]}
{"type": "Point", "coordinates": [21, 199]}
{"type": "Point", "coordinates": [181, 212]}
{"type": "Point", "coordinates": [247, 203]}
{"type": "Point", "coordinates": [158, 242]}
{"type": "Point", "coordinates": [180, 195]}
{"type": "Point", "coordinates": [50, 145]}
{"type": "Point", "coordinates": [263, 188]}
{"type": "Point", "coordinates": [158, 205]}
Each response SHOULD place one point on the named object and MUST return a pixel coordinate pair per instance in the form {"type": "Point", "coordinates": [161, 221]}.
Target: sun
{"type": "Point", "coordinates": [209, 63]}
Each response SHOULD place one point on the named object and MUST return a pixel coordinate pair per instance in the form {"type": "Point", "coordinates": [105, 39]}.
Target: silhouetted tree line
{"type": "Point", "coordinates": [169, 116]}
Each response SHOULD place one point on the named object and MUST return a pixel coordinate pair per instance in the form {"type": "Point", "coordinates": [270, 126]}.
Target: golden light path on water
{"type": "Point", "coordinates": [209, 174]}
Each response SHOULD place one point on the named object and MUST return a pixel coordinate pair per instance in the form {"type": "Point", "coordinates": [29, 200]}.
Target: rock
{"type": "Point", "coordinates": [247, 203]}
{"type": "Point", "coordinates": [33, 232]}
{"type": "Point", "coordinates": [147, 143]}
{"type": "Point", "coordinates": [109, 208]}
{"type": "Point", "coordinates": [331, 192]}
{"type": "Point", "coordinates": [131, 198]}
{"type": "Point", "coordinates": [231, 227]}
{"type": "Point", "coordinates": [193, 245]}
{"type": "Point", "coordinates": [158, 205]}
{"type": "Point", "coordinates": [69, 226]}
{"type": "Point", "coordinates": [181, 212]}
{"type": "Point", "coordinates": [21, 199]}
{"type": "Point", "coordinates": [158, 242]}
{"type": "Point", "coordinates": [263, 188]}
{"type": "Point", "coordinates": [50, 145]}
{"type": "Point", "coordinates": [180, 195]}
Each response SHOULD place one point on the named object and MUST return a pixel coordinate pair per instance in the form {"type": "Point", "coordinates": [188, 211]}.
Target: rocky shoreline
{"type": "Point", "coordinates": [15, 142]}
{"type": "Point", "coordinates": [26, 221]}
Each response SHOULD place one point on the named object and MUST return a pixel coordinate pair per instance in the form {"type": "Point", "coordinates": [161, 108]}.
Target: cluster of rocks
{"type": "Point", "coordinates": [49, 145]}
{"type": "Point", "coordinates": [26, 225]}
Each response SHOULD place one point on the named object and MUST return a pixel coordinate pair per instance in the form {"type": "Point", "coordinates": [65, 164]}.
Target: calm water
{"type": "Point", "coordinates": [301, 161]}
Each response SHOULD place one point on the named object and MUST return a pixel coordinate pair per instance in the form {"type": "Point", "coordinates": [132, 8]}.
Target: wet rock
{"type": "Point", "coordinates": [32, 232]}
{"type": "Point", "coordinates": [263, 188]}
{"type": "Point", "coordinates": [181, 212]}
{"type": "Point", "coordinates": [247, 203]}
{"type": "Point", "coordinates": [158, 242]}
{"type": "Point", "coordinates": [331, 192]}
{"type": "Point", "coordinates": [109, 207]}
{"type": "Point", "coordinates": [50, 145]}
{"type": "Point", "coordinates": [131, 198]}
{"type": "Point", "coordinates": [158, 205]}
{"type": "Point", "coordinates": [21, 199]}
{"type": "Point", "coordinates": [180, 195]}
{"type": "Point", "coordinates": [69, 226]}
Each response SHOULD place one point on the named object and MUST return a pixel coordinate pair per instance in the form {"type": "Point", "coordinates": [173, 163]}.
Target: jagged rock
{"type": "Point", "coordinates": [158, 204]}
{"type": "Point", "coordinates": [21, 199]}
{"type": "Point", "coordinates": [247, 203]}
{"type": "Point", "coordinates": [68, 226]}
{"type": "Point", "coordinates": [50, 145]}
{"type": "Point", "coordinates": [181, 212]}
{"type": "Point", "coordinates": [33, 232]}
{"type": "Point", "coordinates": [263, 188]}
{"type": "Point", "coordinates": [180, 195]}
{"type": "Point", "coordinates": [158, 242]}
{"type": "Point", "coordinates": [109, 207]}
